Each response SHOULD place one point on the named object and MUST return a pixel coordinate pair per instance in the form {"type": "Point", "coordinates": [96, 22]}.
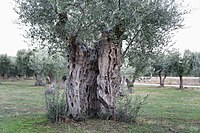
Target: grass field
{"type": "Point", "coordinates": [22, 110]}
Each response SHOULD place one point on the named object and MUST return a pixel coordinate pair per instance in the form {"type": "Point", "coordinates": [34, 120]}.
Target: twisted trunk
{"type": "Point", "coordinates": [93, 79]}
{"type": "Point", "coordinates": [81, 82]}
{"type": "Point", "coordinates": [108, 80]}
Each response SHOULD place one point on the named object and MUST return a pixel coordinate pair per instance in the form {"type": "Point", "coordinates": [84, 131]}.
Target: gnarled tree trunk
{"type": "Point", "coordinates": [93, 79]}
{"type": "Point", "coordinates": [81, 83]}
{"type": "Point", "coordinates": [108, 80]}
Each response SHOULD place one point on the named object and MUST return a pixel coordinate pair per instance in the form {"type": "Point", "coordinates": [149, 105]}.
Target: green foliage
{"type": "Point", "coordinates": [5, 62]}
{"type": "Point", "coordinates": [196, 64]}
{"type": "Point", "coordinates": [46, 65]}
{"type": "Point", "coordinates": [22, 63]}
{"type": "Point", "coordinates": [129, 107]}
{"type": "Point", "coordinates": [56, 105]}
{"type": "Point", "coordinates": [152, 33]}
{"type": "Point", "coordinates": [175, 64]}
{"type": "Point", "coordinates": [13, 68]}
{"type": "Point", "coordinates": [16, 66]}
{"type": "Point", "coordinates": [162, 64]}
{"type": "Point", "coordinates": [51, 22]}
{"type": "Point", "coordinates": [135, 66]}
{"type": "Point", "coordinates": [144, 26]}
{"type": "Point", "coordinates": [182, 65]}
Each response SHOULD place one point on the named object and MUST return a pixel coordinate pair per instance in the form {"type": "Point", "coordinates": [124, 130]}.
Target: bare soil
{"type": "Point", "coordinates": [192, 81]}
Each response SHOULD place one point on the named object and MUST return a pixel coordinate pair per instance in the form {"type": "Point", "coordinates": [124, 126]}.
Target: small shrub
{"type": "Point", "coordinates": [56, 105]}
{"type": "Point", "coordinates": [129, 107]}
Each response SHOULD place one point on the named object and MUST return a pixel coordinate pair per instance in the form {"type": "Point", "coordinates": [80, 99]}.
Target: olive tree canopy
{"type": "Point", "coordinates": [51, 23]}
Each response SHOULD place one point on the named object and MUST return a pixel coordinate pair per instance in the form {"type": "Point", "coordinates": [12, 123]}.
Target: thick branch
{"type": "Point", "coordinates": [130, 43]}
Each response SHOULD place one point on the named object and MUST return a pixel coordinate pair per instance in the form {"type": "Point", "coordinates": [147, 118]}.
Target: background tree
{"type": "Point", "coordinates": [163, 66]}
{"type": "Point", "coordinates": [22, 62]}
{"type": "Point", "coordinates": [182, 65]}
{"type": "Point", "coordinates": [146, 46]}
{"type": "Point", "coordinates": [55, 67]}
{"type": "Point", "coordinates": [102, 25]}
{"type": "Point", "coordinates": [134, 67]}
{"type": "Point", "coordinates": [13, 68]}
{"type": "Point", "coordinates": [47, 66]}
{"type": "Point", "coordinates": [37, 60]}
{"type": "Point", "coordinates": [5, 62]}
{"type": "Point", "coordinates": [196, 64]}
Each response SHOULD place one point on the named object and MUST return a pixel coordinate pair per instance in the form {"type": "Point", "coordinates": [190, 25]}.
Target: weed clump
{"type": "Point", "coordinates": [55, 104]}
{"type": "Point", "coordinates": [129, 107]}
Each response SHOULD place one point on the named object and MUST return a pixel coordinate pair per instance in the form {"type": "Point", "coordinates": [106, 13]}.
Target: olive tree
{"type": "Point", "coordinates": [134, 67]}
{"type": "Point", "coordinates": [163, 66]}
{"type": "Point", "coordinates": [5, 62]}
{"type": "Point", "coordinates": [13, 72]}
{"type": "Point", "coordinates": [182, 65]}
{"type": "Point", "coordinates": [45, 66]}
{"type": "Point", "coordinates": [92, 33]}
{"type": "Point", "coordinates": [22, 63]}
{"type": "Point", "coordinates": [196, 64]}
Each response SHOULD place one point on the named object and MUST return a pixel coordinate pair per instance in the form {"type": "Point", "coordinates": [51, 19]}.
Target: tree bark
{"type": "Point", "coordinates": [93, 80]}
{"type": "Point", "coordinates": [39, 80]}
{"type": "Point", "coordinates": [122, 86]}
{"type": "Point", "coordinates": [181, 82]}
{"type": "Point", "coordinates": [108, 80]}
{"type": "Point", "coordinates": [130, 85]}
{"type": "Point", "coordinates": [81, 85]}
{"type": "Point", "coordinates": [162, 79]}
{"type": "Point", "coordinates": [52, 78]}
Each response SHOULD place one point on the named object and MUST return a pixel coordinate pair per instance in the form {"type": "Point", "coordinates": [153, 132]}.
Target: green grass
{"type": "Point", "coordinates": [22, 110]}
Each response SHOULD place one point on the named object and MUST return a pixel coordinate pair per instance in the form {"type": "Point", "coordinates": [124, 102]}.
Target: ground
{"type": "Point", "coordinates": [188, 81]}
{"type": "Point", "coordinates": [22, 110]}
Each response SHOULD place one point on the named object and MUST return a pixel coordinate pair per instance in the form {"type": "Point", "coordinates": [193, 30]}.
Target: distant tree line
{"type": "Point", "coordinates": [33, 63]}
{"type": "Point", "coordinates": [161, 64]}
{"type": "Point", "coordinates": [50, 68]}
{"type": "Point", "coordinates": [174, 63]}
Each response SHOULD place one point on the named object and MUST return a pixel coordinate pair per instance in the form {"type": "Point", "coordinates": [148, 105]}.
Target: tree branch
{"type": "Point", "coordinates": [77, 5]}
{"type": "Point", "coordinates": [55, 6]}
{"type": "Point", "coordinates": [129, 44]}
{"type": "Point", "coordinates": [119, 4]}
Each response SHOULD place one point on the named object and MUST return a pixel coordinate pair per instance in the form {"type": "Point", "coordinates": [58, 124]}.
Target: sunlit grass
{"type": "Point", "coordinates": [178, 109]}
{"type": "Point", "coordinates": [22, 110]}
{"type": "Point", "coordinates": [20, 98]}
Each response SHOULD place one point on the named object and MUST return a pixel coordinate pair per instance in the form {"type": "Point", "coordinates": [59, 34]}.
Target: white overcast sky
{"type": "Point", "coordinates": [11, 40]}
